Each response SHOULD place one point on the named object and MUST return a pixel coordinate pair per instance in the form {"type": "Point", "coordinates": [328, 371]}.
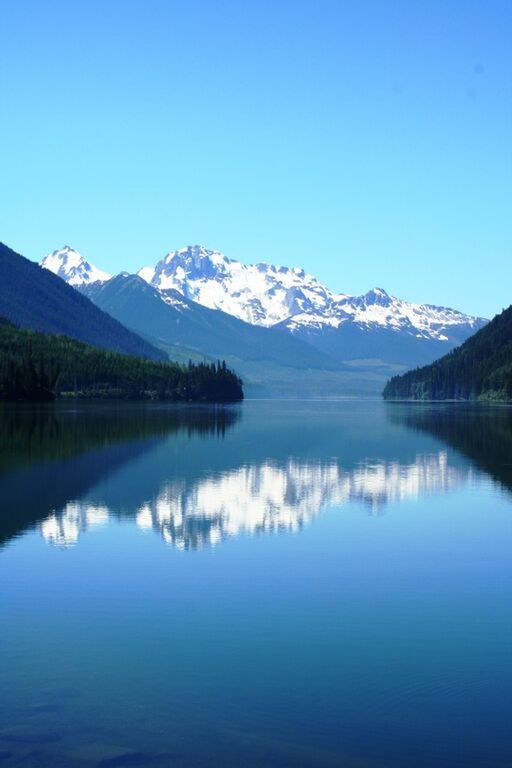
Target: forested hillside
{"type": "Point", "coordinates": [37, 366]}
{"type": "Point", "coordinates": [481, 368]}
{"type": "Point", "coordinates": [35, 298]}
{"type": "Point", "coordinates": [177, 320]}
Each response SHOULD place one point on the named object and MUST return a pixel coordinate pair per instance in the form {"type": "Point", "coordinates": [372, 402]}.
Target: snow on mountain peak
{"type": "Point", "coordinates": [261, 294]}
{"type": "Point", "coordinates": [196, 257]}
{"type": "Point", "coordinates": [378, 292]}
{"type": "Point", "coordinates": [72, 267]}
{"type": "Point", "coordinates": [374, 296]}
{"type": "Point", "coordinates": [147, 274]}
{"type": "Point", "coordinates": [264, 294]}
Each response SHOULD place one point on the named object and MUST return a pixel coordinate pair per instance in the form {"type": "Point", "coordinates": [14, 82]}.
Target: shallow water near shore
{"type": "Point", "coordinates": [276, 583]}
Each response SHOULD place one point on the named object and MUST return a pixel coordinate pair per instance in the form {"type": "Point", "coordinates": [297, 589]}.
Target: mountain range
{"type": "Point", "coordinates": [266, 295]}
{"type": "Point", "coordinates": [269, 321]}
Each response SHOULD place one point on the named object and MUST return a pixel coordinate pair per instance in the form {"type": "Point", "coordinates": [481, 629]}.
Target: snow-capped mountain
{"type": "Point", "coordinates": [263, 294]}
{"type": "Point", "coordinates": [270, 322]}
{"type": "Point", "coordinates": [378, 308]}
{"type": "Point", "coordinates": [260, 294]}
{"type": "Point", "coordinates": [72, 267]}
{"type": "Point", "coordinates": [267, 295]}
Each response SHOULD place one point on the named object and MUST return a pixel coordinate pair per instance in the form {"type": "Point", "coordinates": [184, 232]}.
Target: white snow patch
{"type": "Point", "coordinates": [73, 268]}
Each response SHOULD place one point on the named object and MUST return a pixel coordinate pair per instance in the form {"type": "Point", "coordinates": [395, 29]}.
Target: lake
{"type": "Point", "coordinates": [277, 583]}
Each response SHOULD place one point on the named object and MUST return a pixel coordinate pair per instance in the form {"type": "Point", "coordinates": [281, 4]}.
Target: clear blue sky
{"type": "Point", "coordinates": [368, 141]}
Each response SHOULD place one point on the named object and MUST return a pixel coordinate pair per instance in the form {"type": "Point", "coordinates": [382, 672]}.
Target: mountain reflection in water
{"type": "Point", "coordinates": [263, 499]}
{"type": "Point", "coordinates": [53, 455]}
{"type": "Point", "coordinates": [197, 476]}
{"type": "Point", "coordinates": [480, 432]}
{"type": "Point", "coordinates": [342, 597]}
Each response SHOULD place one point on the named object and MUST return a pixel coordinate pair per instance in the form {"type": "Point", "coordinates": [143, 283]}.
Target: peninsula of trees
{"type": "Point", "coordinates": [37, 366]}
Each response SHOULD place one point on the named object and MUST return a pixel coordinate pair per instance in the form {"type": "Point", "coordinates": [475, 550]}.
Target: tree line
{"type": "Point", "coordinates": [480, 369]}
{"type": "Point", "coordinates": [37, 366]}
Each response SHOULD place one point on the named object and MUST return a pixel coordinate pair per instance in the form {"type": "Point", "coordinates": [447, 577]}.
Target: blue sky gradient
{"type": "Point", "coordinates": [369, 142]}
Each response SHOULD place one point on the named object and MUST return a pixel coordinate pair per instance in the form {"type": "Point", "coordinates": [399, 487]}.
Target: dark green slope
{"type": "Point", "coordinates": [481, 368]}
{"type": "Point", "coordinates": [35, 298]}
{"type": "Point", "coordinates": [34, 366]}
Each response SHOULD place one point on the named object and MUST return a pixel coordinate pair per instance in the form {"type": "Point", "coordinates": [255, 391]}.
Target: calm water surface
{"type": "Point", "coordinates": [273, 584]}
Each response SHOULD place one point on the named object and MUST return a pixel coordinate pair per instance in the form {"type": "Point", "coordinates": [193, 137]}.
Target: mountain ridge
{"type": "Point", "coordinates": [269, 321]}
{"type": "Point", "coordinates": [34, 298]}
{"type": "Point", "coordinates": [268, 295]}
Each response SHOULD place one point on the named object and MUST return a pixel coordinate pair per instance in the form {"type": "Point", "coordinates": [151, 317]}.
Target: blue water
{"type": "Point", "coordinates": [273, 584]}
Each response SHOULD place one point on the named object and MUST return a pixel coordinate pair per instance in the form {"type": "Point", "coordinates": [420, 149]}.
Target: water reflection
{"type": "Point", "coordinates": [480, 432]}
{"type": "Point", "coordinates": [349, 643]}
{"type": "Point", "coordinates": [197, 476]}
{"type": "Point", "coordinates": [264, 498]}
{"type": "Point", "coordinates": [48, 433]}
{"type": "Point", "coordinates": [52, 455]}
{"type": "Point", "coordinates": [64, 529]}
